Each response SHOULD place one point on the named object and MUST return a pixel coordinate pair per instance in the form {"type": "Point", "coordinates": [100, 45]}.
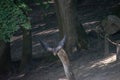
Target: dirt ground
{"type": "Point", "coordinates": [88, 64]}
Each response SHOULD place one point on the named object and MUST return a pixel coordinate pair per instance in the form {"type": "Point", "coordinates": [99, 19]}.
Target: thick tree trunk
{"type": "Point", "coordinates": [4, 57]}
{"type": "Point", "coordinates": [68, 23]}
{"type": "Point", "coordinates": [27, 49]}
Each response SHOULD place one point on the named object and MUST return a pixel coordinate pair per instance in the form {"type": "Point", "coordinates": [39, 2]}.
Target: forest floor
{"type": "Point", "coordinates": [88, 64]}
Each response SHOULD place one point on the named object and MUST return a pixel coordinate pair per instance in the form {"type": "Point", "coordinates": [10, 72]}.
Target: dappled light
{"type": "Point", "coordinates": [38, 44]}
{"type": "Point", "coordinates": [98, 69]}
{"type": "Point", "coordinates": [62, 79]}
{"type": "Point", "coordinates": [16, 38]}
{"type": "Point", "coordinates": [105, 61]}
{"type": "Point", "coordinates": [17, 77]}
{"type": "Point", "coordinates": [40, 25]}
{"type": "Point", "coordinates": [47, 32]}
{"type": "Point", "coordinates": [90, 23]}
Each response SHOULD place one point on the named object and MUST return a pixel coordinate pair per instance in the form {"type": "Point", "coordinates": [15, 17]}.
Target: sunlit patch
{"type": "Point", "coordinates": [62, 79]}
{"type": "Point", "coordinates": [36, 45]}
{"type": "Point", "coordinates": [48, 31]}
{"type": "Point", "coordinates": [38, 25]}
{"type": "Point", "coordinates": [105, 61]}
{"type": "Point", "coordinates": [89, 23]}
{"type": "Point", "coordinates": [17, 77]}
{"type": "Point", "coordinates": [22, 75]}
{"type": "Point", "coordinates": [16, 38]}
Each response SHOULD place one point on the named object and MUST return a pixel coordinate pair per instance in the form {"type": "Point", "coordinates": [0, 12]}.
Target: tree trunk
{"type": "Point", "coordinates": [68, 23]}
{"type": "Point", "coordinates": [4, 57]}
{"type": "Point", "coordinates": [27, 49]}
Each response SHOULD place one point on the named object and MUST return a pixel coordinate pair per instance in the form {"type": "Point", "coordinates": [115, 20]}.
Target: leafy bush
{"type": "Point", "coordinates": [11, 17]}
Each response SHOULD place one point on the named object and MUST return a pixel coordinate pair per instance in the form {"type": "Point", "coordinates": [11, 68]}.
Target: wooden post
{"type": "Point", "coordinates": [117, 47]}
{"type": "Point", "coordinates": [118, 51]}
{"type": "Point", "coordinates": [106, 45]}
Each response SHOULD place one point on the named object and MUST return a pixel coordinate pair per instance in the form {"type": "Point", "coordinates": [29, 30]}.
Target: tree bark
{"type": "Point", "coordinates": [27, 49]}
{"type": "Point", "coordinates": [68, 23]}
{"type": "Point", "coordinates": [5, 57]}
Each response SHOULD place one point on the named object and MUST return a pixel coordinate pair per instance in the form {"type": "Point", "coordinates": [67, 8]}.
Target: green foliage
{"type": "Point", "coordinates": [22, 5]}
{"type": "Point", "coordinates": [11, 17]}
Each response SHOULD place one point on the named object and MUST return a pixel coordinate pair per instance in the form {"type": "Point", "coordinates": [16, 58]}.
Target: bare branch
{"type": "Point", "coordinates": [112, 42]}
